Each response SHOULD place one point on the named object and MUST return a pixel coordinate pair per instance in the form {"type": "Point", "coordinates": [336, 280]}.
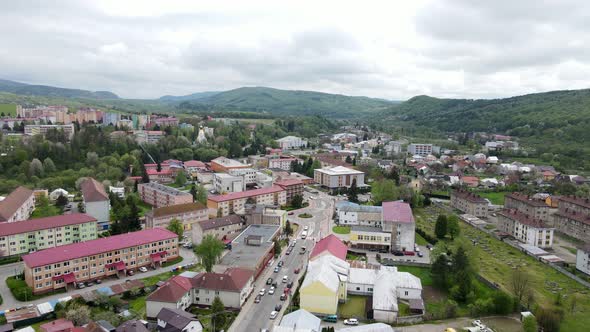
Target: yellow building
{"type": "Point", "coordinates": [324, 285]}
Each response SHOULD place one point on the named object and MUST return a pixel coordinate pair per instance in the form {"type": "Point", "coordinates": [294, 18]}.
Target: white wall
{"type": "Point", "coordinates": [583, 261]}
{"type": "Point", "coordinates": [99, 210]}
{"type": "Point", "coordinates": [412, 293]}
{"type": "Point", "coordinates": [348, 217]}
{"type": "Point", "coordinates": [206, 297]}
{"type": "Point", "coordinates": [384, 316]}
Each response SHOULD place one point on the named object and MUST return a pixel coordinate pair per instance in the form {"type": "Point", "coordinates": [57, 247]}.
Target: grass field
{"type": "Point", "coordinates": [420, 240]}
{"type": "Point", "coordinates": [421, 272]}
{"type": "Point", "coordinates": [354, 307]}
{"type": "Point", "coordinates": [8, 109]}
{"type": "Point", "coordinates": [341, 229]}
{"type": "Point", "coordinates": [496, 198]}
{"type": "Point", "coordinates": [497, 260]}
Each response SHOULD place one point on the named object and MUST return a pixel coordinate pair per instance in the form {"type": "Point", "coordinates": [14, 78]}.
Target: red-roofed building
{"type": "Point", "coordinates": [58, 325]}
{"type": "Point", "coordinates": [174, 294]}
{"type": "Point", "coordinates": [398, 221]}
{"type": "Point", "coordinates": [46, 233]}
{"type": "Point", "coordinates": [235, 202]}
{"type": "Point", "coordinates": [163, 176]}
{"type": "Point", "coordinates": [330, 245]}
{"type": "Point", "coordinates": [96, 201]}
{"type": "Point", "coordinates": [17, 206]}
{"type": "Point", "coordinates": [57, 267]}
{"type": "Point", "coordinates": [573, 217]}
{"type": "Point", "coordinates": [525, 228]}
{"type": "Point", "coordinates": [470, 181]}
{"type": "Point", "coordinates": [292, 187]}
{"type": "Point", "coordinates": [469, 203]}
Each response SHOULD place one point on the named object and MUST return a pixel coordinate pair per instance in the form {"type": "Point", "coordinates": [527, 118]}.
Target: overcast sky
{"type": "Point", "coordinates": [389, 49]}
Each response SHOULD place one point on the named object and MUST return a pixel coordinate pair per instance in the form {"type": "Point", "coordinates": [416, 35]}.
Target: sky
{"type": "Point", "coordinates": [387, 49]}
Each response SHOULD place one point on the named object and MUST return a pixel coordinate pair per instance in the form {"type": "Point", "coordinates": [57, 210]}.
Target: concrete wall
{"type": "Point", "coordinates": [99, 210]}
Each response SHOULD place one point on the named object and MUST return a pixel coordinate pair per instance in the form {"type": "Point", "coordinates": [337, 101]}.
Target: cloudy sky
{"type": "Point", "coordinates": [388, 49]}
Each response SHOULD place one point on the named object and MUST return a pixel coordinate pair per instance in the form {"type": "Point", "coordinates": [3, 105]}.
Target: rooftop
{"type": "Point", "coordinates": [44, 223]}
{"type": "Point", "coordinates": [339, 170]}
{"type": "Point", "coordinates": [13, 202]}
{"type": "Point", "coordinates": [248, 256]}
{"type": "Point", "coordinates": [163, 188]}
{"type": "Point", "coordinates": [302, 319]}
{"type": "Point", "coordinates": [176, 319]}
{"type": "Point", "coordinates": [176, 209]}
{"type": "Point", "coordinates": [523, 218]}
{"type": "Point", "coordinates": [332, 244]}
{"type": "Point", "coordinates": [354, 207]}
{"type": "Point", "coordinates": [288, 182]}
{"type": "Point", "coordinates": [467, 195]}
{"type": "Point", "coordinates": [287, 138]}
{"type": "Point", "coordinates": [398, 212]}
{"type": "Point", "coordinates": [526, 199]}
{"type": "Point", "coordinates": [232, 219]}
{"type": "Point", "coordinates": [194, 163]}
{"type": "Point", "coordinates": [245, 194]}
{"type": "Point", "coordinates": [361, 228]}
{"type": "Point", "coordinates": [93, 247]}
{"type": "Point", "coordinates": [172, 291]}
{"type": "Point", "coordinates": [228, 162]}
{"type": "Point", "coordinates": [93, 191]}
{"type": "Point", "coordinates": [233, 279]}
{"type": "Point", "coordinates": [578, 200]}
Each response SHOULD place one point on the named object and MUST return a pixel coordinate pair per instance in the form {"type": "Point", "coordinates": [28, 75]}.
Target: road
{"type": "Point", "coordinates": [11, 269]}
{"type": "Point", "coordinates": [256, 316]}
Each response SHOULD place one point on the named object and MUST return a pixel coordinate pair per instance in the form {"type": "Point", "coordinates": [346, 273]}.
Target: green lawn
{"type": "Point", "coordinates": [496, 198]}
{"type": "Point", "coordinates": [421, 272]}
{"type": "Point", "coordinates": [8, 110]}
{"type": "Point", "coordinates": [203, 314]}
{"type": "Point", "coordinates": [420, 240]}
{"type": "Point", "coordinates": [143, 208]}
{"type": "Point", "coordinates": [341, 229]}
{"type": "Point", "coordinates": [305, 215]}
{"type": "Point", "coordinates": [46, 211]}
{"type": "Point", "coordinates": [354, 307]}
{"type": "Point", "coordinates": [404, 309]}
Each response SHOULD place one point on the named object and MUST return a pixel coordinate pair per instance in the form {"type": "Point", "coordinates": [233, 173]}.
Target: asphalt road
{"type": "Point", "coordinates": [256, 316]}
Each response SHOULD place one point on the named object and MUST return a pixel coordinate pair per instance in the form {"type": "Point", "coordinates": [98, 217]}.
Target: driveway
{"type": "Point", "coordinates": [11, 269]}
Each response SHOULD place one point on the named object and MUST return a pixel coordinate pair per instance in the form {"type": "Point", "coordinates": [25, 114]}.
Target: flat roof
{"type": "Point", "coordinates": [161, 187]}
{"type": "Point", "coordinates": [361, 228]}
{"type": "Point", "coordinates": [339, 170]}
{"type": "Point", "coordinates": [248, 256]}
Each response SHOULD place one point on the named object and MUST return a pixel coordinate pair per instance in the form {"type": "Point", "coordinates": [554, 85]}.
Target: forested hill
{"type": "Point", "coordinates": [51, 91]}
{"type": "Point", "coordinates": [289, 102]}
{"type": "Point", "coordinates": [556, 122]}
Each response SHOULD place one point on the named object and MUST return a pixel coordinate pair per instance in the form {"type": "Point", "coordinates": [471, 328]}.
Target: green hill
{"type": "Point", "coordinates": [8, 109]}
{"type": "Point", "coordinates": [557, 122]}
{"type": "Point", "coordinates": [50, 91]}
{"type": "Point", "coordinates": [288, 102]}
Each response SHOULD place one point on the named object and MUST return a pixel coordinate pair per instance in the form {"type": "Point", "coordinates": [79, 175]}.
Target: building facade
{"type": "Point", "coordinates": [226, 183]}
{"type": "Point", "coordinates": [159, 195]}
{"type": "Point", "coordinates": [533, 208]}
{"type": "Point", "coordinates": [96, 259]}
{"type": "Point", "coordinates": [224, 165]}
{"type": "Point", "coordinates": [339, 177]}
{"type": "Point", "coordinates": [227, 204]}
{"type": "Point", "coordinates": [96, 202]}
{"type": "Point", "coordinates": [583, 259]}
{"type": "Point", "coordinates": [469, 203]}
{"type": "Point", "coordinates": [188, 214]}
{"type": "Point", "coordinates": [223, 228]}
{"type": "Point", "coordinates": [32, 130]}
{"type": "Point", "coordinates": [17, 206]}
{"type": "Point", "coordinates": [291, 142]}
{"type": "Point", "coordinates": [573, 217]}
{"type": "Point", "coordinates": [148, 136]}
{"type": "Point", "coordinates": [525, 229]}
{"type": "Point", "coordinates": [293, 187]}
{"type": "Point", "coordinates": [420, 149]}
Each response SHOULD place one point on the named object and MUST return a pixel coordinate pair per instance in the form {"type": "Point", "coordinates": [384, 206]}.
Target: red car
{"type": "Point", "coordinates": [296, 271]}
{"type": "Point", "coordinates": [409, 253]}
{"type": "Point", "coordinates": [291, 213]}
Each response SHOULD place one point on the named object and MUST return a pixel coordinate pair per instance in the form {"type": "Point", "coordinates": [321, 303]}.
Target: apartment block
{"type": "Point", "coordinates": [534, 208]}
{"type": "Point", "coordinates": [32, 130]}
{"type": "Point", "coordinates": [148, 136]}
{"type": "Point", "coordinates": [573, 217]}
{"type": "Point", "coordinates": [235, 202]}
{"type": "Point", "coordinates": [420, 149]}
{"type": "Point", "coordinates": [23, 237]}
{"type": "Point", "coordinates": [159, 195]}
{"type": "Point", "coordinates": [17, 206]}
{"type": "Point", "coordinates": [96, 201]}
{"type": "Point", "coordinates": [525, 228]}
{"type": "Point", "coordinates": [224, 165]}
{"type": "Point", "coordinates": [226, 183]}
{"type": "Point", "coordinates": [223, 228]}
{"type": "Point", "coordinates": [469, 203]}
{"type": "Point", "coordinates": [338, 177]}
{"type": "Point", "coordinates": [282, 163]}
{"type": "Point", "coordinates": [188, 214]}
{"type": "Point", "coordinates": [583, 259]}
{"type": "Point", "coordinates": [291, 142]}
{"type": "Point", "coordinates": [292, 187]}
{"type": "Point", "coordinates": [66, 265]}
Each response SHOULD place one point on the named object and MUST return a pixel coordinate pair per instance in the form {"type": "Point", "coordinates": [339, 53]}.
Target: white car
{"type": "Point", "coordinates": [305, 227]}
{"type": "Point", "coordinates": [271, 291]}
{"type": "Point", "coordinates": [262, 292]}
{"type": "Point", "coordinates": [477, 323]}
{"type": "Point", "coordinates": [143, 269]}
{"type": "Point", "coordinates": [351, 321]}
{"type": "Point", "coordinates": [274, 314]}
{"type": "Point", "coordinates": [285, 278]}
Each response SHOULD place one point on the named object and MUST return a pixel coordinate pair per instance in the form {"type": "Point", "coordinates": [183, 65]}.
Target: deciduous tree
{"type": "Point", "coordinates": [176, 226]}
{"type": "Point", "coordinates": [209, 251]}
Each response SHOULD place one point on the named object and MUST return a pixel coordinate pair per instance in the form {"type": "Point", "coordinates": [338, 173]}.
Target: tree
{"type": "Point", "coordinates": [277, 248]}
{"type": "Point", "coordinates": [209, 251]}
{"type": "Point", "coordinates": [36, 168]}
{"type": "Point", "coordinates": [79, 315]}
{"type": "Point", "coordinates": [81, 207]}
{"type": "Point", "coordinates": [193, 192]}
{"type": "Point", "coordinates": [440, 228]}
{"type": "Point", "coordinates": [180, 179]}
{"type": "Point", "coordinates": [348, 160]}
{"type": "Point", "coordinates": [288, 228]}
{"type": "Point", "coordinates": [200, 194]}
{"type": "Point", "coordinates": [440, 271]}
{"type": "Point", "coordinates": [61, 201]}
{"type": "Point", "coordinates": [549, 319]}
{"type": "Point", "coordinates": [529, 324]}
{"type": "Point", "coordinates": [503, 303]}
{"type": "Point", "coordinates": [135, 186]}
{"type": "Point", "coordinates": [48, 165]}
{"type": "Point", "coordinates": [353, 192]}
{"type": "Point", "coordinates": [297, 201]}
{"type": "Point", "coordinates": [176, 227]}
{"type": "Point", "coordinates": [453, 228]}
{"type": "Point", "coordinates": [91, 159]}
{"type": "Point", "coordinates": [217, 312]}
{"type": "Point", "coordinates": [520, 284]}
{"type": "Point", "coordinates": [383, 191]}
{"type": "Point", "coordinates": [462, 275]}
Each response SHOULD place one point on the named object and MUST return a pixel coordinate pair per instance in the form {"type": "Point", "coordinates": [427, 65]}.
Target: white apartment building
{"type": "Point", "coordinates": [17, 206]}
{"type": "Point", "coordinates": [420, 149]}
{"type": "Point", "coordinates": [525, 228]}
{"type": "Point", "coordinates": [291, 142]}
{"type": "Point", "coordinates": [226, 183]}
{"type": "Point", "coordinates": [339, 177]}
{"type": "Point", "coordinates": [148, 136]}
{"type": "Point", "coordinates": [32, 130]}
{"type": "Point", "coordinates": [583, 259]}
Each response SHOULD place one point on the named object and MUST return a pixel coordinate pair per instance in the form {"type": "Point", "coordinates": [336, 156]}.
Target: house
{"type": "Point", "coordinates": [119, 191]}
{"type": "Point", "coordinates": [174, 294]}
{"type": "Point", "coordinates": [176, 320]}
{"type": "Point", "coordinates": [330, 245]}
{"type": "Point", "coordinates": [291, 142]}
{"type": "Point", "coordinates": [339, 177]}
{"type": "Point", "coordinates": [17, 206]}
{"type": "Point", "coordinates": [96, 202]}
{"type": "Point", "coordinates": [469, 203]}
{"type": "Point", "coordinates": [470, 181]}
{"type": "Point", "coordinates": [100, 326]}
{"type": "Point", "coordinates": [148, 136]}
{"type": "Point", "coordinates": [583, 259]}
{"type": "Point", "coordinates": [222, 228]}
{"type": "Point", "coordinates": [192, 167]}
{"type": "Point", "coordinates": [54, 195]}
{"type": "Point", "coordinates": [232, 286]}
{"type": "Point", "coordinates": [283, 163]}
{"type": "Point", "coordinates": [133, 325]}
{"type": "Point", "coordinates": [58, 325]}
{"type": "Point", "coordinates": [324, 285]}
{"type": "Point", "coordinates": [300, 320]}
{"type": "Point", "coordinates": [187, 214]}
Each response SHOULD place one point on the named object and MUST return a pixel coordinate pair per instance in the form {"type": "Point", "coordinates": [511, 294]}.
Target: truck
{"type": "Point", "coordinates": [304, 234]}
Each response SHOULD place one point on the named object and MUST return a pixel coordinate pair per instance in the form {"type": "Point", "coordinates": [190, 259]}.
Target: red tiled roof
{"type": "Point", "coordinates": [578, 200]}
{"type": "Point", "coordinates": [57, 325]}
{"type": "Point", "coordinates": [44, 223]}
{"type": "Point", "coordinates": [288, 182]}
{"type": "Point", "coordinates": [464, 194]}
{"type": "Point", "coordinates": [172, 291]}
{"type": "Point", "coordinates": [332, 244]}
{"type": "Point", "coordinates": [580, 217]}
{"type": "Point", "coordinates": [526, 199]}
{"type": "Point", "coordinates": [397, 212]}
{"type": "Point", "coordinates": [93, 191]}
{"type": "Point", "coordinates": [194, 163]}
{"type": "Point", "coordinates": [14, 201]}
{"type": "Point", "coordinates": [233, 279]}
{"type": "Point", "coordinates": [94, 247]}
{"type": "Point", "coordinates": [245, 194]}
{"type": "Point", "coordinates": [155, 172]}
{"type": "Point", "coordinates": [522, 218]}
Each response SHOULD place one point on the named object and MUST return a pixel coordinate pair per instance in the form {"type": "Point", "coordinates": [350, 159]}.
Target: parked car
{"type": "Point", "coordinates": [280, 263]}
{"type": "Point", "coordinates": [429, 246]}
{"type": "Point", "coordinates": [257, 299]}
{"type": "Point", "coordinates": [274, 314]}
{"type": "Point", "coordinates": [130, 273]}
{"type": "Point", "coordinates": [305, 227]}
{"type": "Point", "coordinates": [98, 281]}
{"type": "Point", "coordinates": [143, 269]}
{"type": "Point", "coordinates": [291, 213]}
{"type": "Point", "coordinates": [331, 318]}
{"type": "Point", "coordinates": [288, 252]}
{"type": "Point", "coordinates": [89, 283]}
{"type": "Point", "coordinates": [398, 253]}
{"type": "Point", "coordinates": [274, 284]}
{"type": "Point", "coordinates": [420, 254]}
{"type": "Point", "coordinates": [81, 285]}
{"type": "Point", "coordinates": [290, 284]}
{"type": "Point", "coordinates": [269, 281]}
{"type": "Point", "coordinates": [283, 297]}
{"type": "Point", "coordinates": [409, 253]}
{"type": "Point", "coordinates": [296, 271]}
{"type": "Point", "coordinates": [278, 307]}
{"type": "Point", "coordinates": [277, 269]}
{"type": "Point", "coordinates": [351, 321]}
{"type": "Point", "coordinates": [271, 291]}
{"type": "Point", "coordinates": [285, 278]}
{"type": "Point", "coordinates": [262, 292]}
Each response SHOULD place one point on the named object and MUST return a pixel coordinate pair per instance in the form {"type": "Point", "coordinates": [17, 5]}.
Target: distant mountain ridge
{"type": "Point", "coordinates": [288, 102]}
{"type": "Point", "coordinates": [51, 91]}
{"type": "Point", "coordinates": [192, 96]}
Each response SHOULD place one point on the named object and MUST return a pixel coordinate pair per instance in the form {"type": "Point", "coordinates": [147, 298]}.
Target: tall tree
{"type": "Point", "coordinates": [353, 192]}
{"type": "Point", "coordinates": [180, 179]}
{"type": "Point", "coordinates": [176, 226]}
{"type": "Point", "coordinates": [520, 284]}
{"type": "Point", "coordinates": [440, 271]}
{"type": "Point", "coordinates": [453, 228]}
{"type": "Point", "coordinates": [288, 228]}
{"type": "Point", "coordinates": [61, 201]}
{"type": "Point", "coordinates": [440, 228]}
{"type": "Point", "coordinates": [209, 251]}
{"type": "Point", "coordinates": [218, 316]}
{"type": "Point", "coordinates": [48, 165]}
{"type": "Point", "coordinates": [297, 202]}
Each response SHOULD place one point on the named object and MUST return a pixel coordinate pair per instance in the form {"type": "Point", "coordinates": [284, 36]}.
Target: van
{"type": "Point", "coordinates": [331, 319]}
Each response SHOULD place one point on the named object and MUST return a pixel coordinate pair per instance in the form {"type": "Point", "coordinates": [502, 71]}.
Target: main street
{"type": "Point", "coordinates": [256, 316]}
{"type": "Point", "coordinates": [16, 268]}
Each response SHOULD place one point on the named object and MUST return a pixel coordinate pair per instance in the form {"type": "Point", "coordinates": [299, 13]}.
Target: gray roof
{"type": "Point", "coordinates": [376, 327]}
{"type": "Point", "coordinates": [132, 326]}
{"type": "Point", "coordinates": [175, 319]}
{"type": "Point", "coordinates": [248, 256]}
{"type": "Point", "coordinates": [353, 207]}
{"type": "Point", "coordinates": [302, 319]}
{"type": "Point", "coordinates": [367, 229]}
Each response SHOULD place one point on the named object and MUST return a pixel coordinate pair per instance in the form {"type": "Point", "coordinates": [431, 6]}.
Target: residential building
{"type": "Point", "coordinates": [583, 259]}
{"type": "Point", "coordinates": [119, 191]}
{"type": "Point", "coordinates": [292, 187]}
{"type": "Point", "coordinates": [193, 167]}
{"type": "Point", "coordinates": [398, 220]}
{"type": "Point", "coordinates": [17, 206]}
{"type": "Point", "coordinates": [291, 142]}
{"type": "Point", "coordinates": [42, 129]}
{"type": "Point", "coordinates": [148, 136]}
{"type": "Point", "coordinates": [162, 176]}
{"type": "Point", "coordinates": [163, 121]}
{"type": "Point", "coordinates": [299, 320]}
{"type": "Point", "coordinates": [226, 183]}
{"type": "Point", "coordinates": [23, 237]}
{"type": "Point", "coordinates": [61, 266]}
{"type": "Point", "coordinates": [265, 214]}
{"type": "Point", "coordinates": [339, 177]}
{"type": "Point", "coordinates": [54, 195]}
{"type": "Point", "coordinates": [348, 213]}
{"type": "Point", "coordinates": [159, 195]}
{"type": "Point", "coordinates": [223, 164]}
{"type": "Point", "coordinates": [110, 118]}
{"type": "Point", "coordinates": [248, 175]}
{"type": "Point", "coordinates": [232, 286]}
{"type": "Point", "coordinates": [176, 320]}
{"type": "Point", "coordinates": [133, 325]}
{"type": "Point", "coordinates": [469, 203]}
{"type": "Point", "coordinates": [235, 202]}
{"type": "Point", "coordinates": [420, 149]}
{"type": "Point", "coordinates": [173, 294]}
{"type": "Point", "coordinates": [533, 208]}
{"type": "Point", "coordinates": [573, 217]}
{"type": "Point", "coordinates": [374, 327]}
{"type": "Point", "coordinates": [58, 325]}
{"type": "Point", "coordinates": [282, 163]}
{"type": "Point", "coordinates": [389, 286]}
{"type": "Point", "coordinates": [223, 228]}
{"type": "Point", "coordinates": [96, 202]}
{"type": "Point", "coordinates": [188, 214]}
{"type": "Point", "coordinates": [324, 285]}
{"type": "Point", "coordinates": [525, 228]}
{"type": "Point", "coordinates": [329, 246]}
{"type": "Point", "coordinates": [393, 148]}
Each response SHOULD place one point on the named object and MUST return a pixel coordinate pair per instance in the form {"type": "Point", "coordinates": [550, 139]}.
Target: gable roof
{"type": "Point", "coordinates": [44, 223]}
{"type": "Point", "coordinates": [132, 326]}
{"type": "Point", "coordinates": [93, 191]}
{"type": "Point", "coordinates": [302, 319]}
{"type": "Point", "coordinates": [244, 194]}
{"type": "Point", "coordinates": [176, 209]}
{"type": "Point", "coordinates": [176, 319]}
{"type": "Point", "coordinates": [233, 279]}
{"type": "Point", "coordinates": [232, 219]}
{"type": "Point", "coordinates": [172, 291]}
{"type": "Point", "coordinates": [332, 244]}
{"type": "Point", "coordinates": [13, 202]}
{"type": "Point", "coordinates": [397, 212]}
{"type": "Point", "coordinates": [326, 270]}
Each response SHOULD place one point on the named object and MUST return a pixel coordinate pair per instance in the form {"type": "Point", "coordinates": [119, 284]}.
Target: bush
{"type": "Point", "coordinates": [431, 239]}
{"type": "Point", "coordinates": [22, 292]}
